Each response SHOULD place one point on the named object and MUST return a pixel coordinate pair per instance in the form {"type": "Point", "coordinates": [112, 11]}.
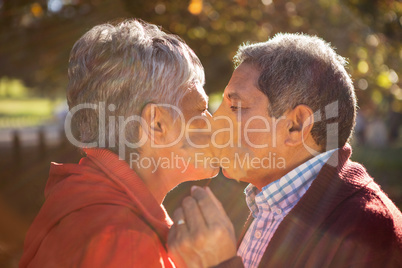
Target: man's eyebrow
{"type": "Point", "coordinates": [233, 96]}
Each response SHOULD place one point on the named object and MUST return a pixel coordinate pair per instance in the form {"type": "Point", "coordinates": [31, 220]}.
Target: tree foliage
{"type": "Point", "coordinates": [36, 39]}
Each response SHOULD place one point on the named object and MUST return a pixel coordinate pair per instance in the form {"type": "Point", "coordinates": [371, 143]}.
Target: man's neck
{"type": "Point", "coordinates": [293, 160]}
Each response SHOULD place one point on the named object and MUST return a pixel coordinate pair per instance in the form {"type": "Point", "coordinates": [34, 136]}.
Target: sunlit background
{"type": "Point", "coordinates": [37, 36]}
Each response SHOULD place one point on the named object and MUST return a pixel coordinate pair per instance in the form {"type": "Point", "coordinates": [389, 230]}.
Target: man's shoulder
{"type": "Point", "coordinates": [370, 215]}
{"type": "Point", "coordinates": [360, 207]}
{"type": "Point", "coordinates": [368, 199]}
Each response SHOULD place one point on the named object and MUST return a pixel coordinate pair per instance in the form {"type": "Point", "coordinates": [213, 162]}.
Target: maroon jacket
{"type": "Point", "coordinates": [343, 220]}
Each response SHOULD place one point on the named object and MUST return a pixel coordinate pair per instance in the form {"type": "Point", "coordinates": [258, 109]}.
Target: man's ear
{"type": "Point", "coordinates": [157, 123]}
{"type": "Point", "coordinates": [300, 123]}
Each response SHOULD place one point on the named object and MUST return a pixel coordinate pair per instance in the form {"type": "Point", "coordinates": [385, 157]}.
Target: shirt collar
{"type": "Point", "coordinates": [284, 193]}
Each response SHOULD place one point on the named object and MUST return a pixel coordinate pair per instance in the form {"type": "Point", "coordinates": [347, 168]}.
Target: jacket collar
{"type": "Point", "coordinates": [338, 179]}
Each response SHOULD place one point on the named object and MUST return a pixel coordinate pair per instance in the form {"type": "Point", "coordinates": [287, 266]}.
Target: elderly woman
{"type": "Point", "coordinates": [136, 101]}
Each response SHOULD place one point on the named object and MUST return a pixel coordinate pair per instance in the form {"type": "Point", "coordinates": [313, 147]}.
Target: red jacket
{"type": "Point", "coordinates": [97, 213]}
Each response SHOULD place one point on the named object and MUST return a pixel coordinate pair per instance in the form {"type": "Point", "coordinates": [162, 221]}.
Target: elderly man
{"type": "Point", "coordinates": [295, 106]}
{"type": "Point", "coordinates": [134, 92]}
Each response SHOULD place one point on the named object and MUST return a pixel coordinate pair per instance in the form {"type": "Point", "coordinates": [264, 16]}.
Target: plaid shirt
{"type": "Point", "coordinates": [270, 206]}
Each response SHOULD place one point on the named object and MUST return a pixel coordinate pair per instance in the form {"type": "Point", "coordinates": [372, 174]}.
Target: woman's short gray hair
{"type": "Point", "coordinates": [301, 69]}
{"type": "Point", "coordinates": [128, 65]}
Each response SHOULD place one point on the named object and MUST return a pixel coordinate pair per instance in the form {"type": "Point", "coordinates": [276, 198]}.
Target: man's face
{"type": "Point", "coordinates": [252, 148]}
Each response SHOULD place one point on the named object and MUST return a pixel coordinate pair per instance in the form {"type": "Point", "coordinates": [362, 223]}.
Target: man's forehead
{"type": "Point", "coordinates": [241, 91]}
{"type": "Point", "coordinates": [243, 82]}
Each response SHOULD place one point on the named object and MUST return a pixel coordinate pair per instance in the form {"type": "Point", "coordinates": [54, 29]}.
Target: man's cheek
{"type": "Point", "coordinates": [224, 132]}
{"type": "Point", "coordinates": [256, 132]}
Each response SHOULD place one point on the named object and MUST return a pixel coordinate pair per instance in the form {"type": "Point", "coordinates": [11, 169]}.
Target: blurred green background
{"type": "Point", "coordinates": [36, 38]}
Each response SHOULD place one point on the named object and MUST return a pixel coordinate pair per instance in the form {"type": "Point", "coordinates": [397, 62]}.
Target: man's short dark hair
{"type": "Point", "coordinates": [301, 69]}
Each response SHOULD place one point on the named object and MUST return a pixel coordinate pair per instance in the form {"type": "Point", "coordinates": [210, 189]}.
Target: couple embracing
{"type": "Point", "coordinates": [139, 112]}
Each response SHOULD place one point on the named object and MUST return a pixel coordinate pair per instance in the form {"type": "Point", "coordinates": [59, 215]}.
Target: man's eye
{"type": "Point", "coordinates": [234, 108]}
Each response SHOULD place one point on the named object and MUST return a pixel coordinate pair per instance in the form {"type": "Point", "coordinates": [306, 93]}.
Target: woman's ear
{"type": "Point", "coordinates": [156, 122]}
{"type": "Point", "coordinates": [300, 123]}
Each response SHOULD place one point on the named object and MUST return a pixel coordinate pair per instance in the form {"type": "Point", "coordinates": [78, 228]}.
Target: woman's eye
{"type": "Point", "coordinates": [234, 108]}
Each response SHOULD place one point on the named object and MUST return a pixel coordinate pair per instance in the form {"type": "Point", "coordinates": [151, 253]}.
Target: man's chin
{"type": "Point", "coordinates": [225, 173]}
{"type": "Point", "coordinates": [230, 175]}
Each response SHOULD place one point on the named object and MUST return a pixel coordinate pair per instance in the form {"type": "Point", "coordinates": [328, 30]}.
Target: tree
{"type": "Point", "coordinates": [368, 33]}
